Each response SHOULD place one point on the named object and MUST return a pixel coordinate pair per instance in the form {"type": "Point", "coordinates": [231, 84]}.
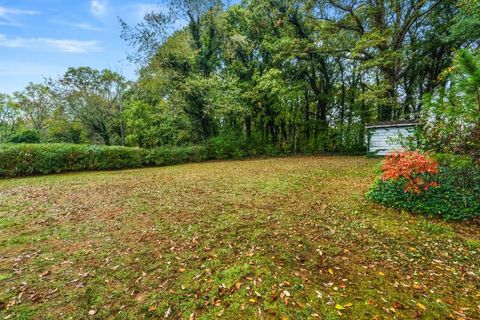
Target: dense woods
{"type": "Point", "coordinates": [271, 76]}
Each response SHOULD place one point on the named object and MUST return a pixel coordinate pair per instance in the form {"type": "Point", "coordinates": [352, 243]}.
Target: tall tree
{"type": "Point", "coordinates": [9, 117]}
{"type": "Point", "coordinates": [37, 103]}
{"type": "Point", "coordinates": [203, 40]}
{"type": "Point", "coordinates": [297, 75]}
{"type": "Point", "coordinates": [96, 99]}
{"type": "Point", "coordinates": [382, 29]}
{"type": "Point", "coordinates": [147, 36]}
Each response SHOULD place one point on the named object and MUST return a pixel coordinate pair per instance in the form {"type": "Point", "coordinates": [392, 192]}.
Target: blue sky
{"type": "Point", "coordinates": [42, 38]}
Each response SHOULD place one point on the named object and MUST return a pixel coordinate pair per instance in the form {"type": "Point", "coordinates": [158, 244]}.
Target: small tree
{"type": "Point", "coordinates": [452, 113]}
{"type": "Point", "coordinates": [9, 117]}
{"type": "Point", "coordinates": [36, 103]}
{"type": "Point", "coordinates": [468, 66]}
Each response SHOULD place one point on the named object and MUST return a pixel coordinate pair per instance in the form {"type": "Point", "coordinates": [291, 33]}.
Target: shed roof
{"type": "Point", "coordinates": [386, 124]}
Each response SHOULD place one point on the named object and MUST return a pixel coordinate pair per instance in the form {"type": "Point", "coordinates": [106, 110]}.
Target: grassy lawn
{"type": "Point", "coordinates": [289, 238]}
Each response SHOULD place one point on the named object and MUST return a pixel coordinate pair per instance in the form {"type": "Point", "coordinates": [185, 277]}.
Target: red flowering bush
{"type": "Point", "coordinates": [416, 168]}
{"type": "Point", "coordinates": [407, 175]}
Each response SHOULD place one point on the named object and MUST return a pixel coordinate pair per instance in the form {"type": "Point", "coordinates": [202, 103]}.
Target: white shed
{"type": "Point", "coordinates": [383, 137]}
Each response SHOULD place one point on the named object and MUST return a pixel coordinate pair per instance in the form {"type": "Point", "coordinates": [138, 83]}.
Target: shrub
{"type": "Point", "coordinates": [455, 197]}
{"type": "Point", "coordinates": [416, 169]}
{"type": "Point", "coordinates": [29, 159]}
{"type": "Point", "coordinates": [163, 156]}
{"type": "Point", "coordinates": [226, 147]}
{"type": "Point", "coordinates": [27, 136]}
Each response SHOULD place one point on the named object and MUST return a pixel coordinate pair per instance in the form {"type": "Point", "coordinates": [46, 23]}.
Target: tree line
{"type": "Point", "coordinates": [290, 75]}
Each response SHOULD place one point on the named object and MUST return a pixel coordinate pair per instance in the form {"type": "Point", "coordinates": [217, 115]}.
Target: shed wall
{"type": "Point", "coordinates": [380, 139]}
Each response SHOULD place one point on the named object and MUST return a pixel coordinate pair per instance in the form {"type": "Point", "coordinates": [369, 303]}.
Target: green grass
{"type": "Point", "coordinates": [290, 238]}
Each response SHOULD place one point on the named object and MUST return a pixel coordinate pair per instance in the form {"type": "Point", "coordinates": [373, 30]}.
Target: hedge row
{"type": "Point", "coordinates": [456, 198]}
{"type": "Point", "coordinates": [31, 159]}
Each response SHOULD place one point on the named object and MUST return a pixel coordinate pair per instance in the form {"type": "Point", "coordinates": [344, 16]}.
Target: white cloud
{"type": "Point", "coordinates": [98, 7]}
{"type": "Point", "coordinates": [80, 25]}
{"type": "Point", "coordinates": [59, 45]}
{"type": "Point", "coordinates": [85, 26]}
{"type": "Point", "coordinates": [8, 15]}
{"type": "Point", "coordinates": [135, 12]}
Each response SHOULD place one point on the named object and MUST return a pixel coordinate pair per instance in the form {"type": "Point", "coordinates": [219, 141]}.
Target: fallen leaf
{"type": "Point", "coordinates": [152, 308]}
{"type": "Point", "coordinates": [421, 306]}
{"type": "Point", "coordinates": [168, 312]}
{"type": "Point", "coordinates": [44, 274]}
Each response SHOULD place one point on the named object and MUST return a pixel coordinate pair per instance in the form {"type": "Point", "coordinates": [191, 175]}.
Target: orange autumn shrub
{"type": "Point", "coordinates": [416, 168]}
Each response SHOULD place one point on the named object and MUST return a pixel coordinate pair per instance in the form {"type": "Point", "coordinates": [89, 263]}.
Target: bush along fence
{"type": "Point", "coordinates": [445, 186]}
{"type": "Point", "coordinates": [34, 159]}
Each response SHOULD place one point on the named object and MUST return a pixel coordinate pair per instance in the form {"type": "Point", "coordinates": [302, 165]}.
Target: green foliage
{"type": "Point", "coordinates": [281, 77]}
{"type": "Point", "coordinates": [9, 116]}
{"type": "Point", "coordinates": [467, 21]}
{"type": "Point", "coordinates": [30, 159]}
{"type": "Point", "coordinates": [150, 126]}
{"type": "Point", "coordinates": [456, 162]}
{"type": "Point", "coordinates": [291, 76]}
{"type": "Point", "coordinates": [25, 136]}
{"type": "Point", "coordinates": [468, 74]}
{"type": "Point", "coordinates": [227, 147]}
{"type": "Point", "coordinates": [456, 198]}
{"type": "Point", "coordinates": [451, 114]}
{"type": "Point", "coordinates": [37, 103]}
{"type": "Point", "coordinates": [163, 156]}
{"type": "Point", "coordinates": [62, 131]}
{"type": "Point", "coordinates": [95, 98]}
